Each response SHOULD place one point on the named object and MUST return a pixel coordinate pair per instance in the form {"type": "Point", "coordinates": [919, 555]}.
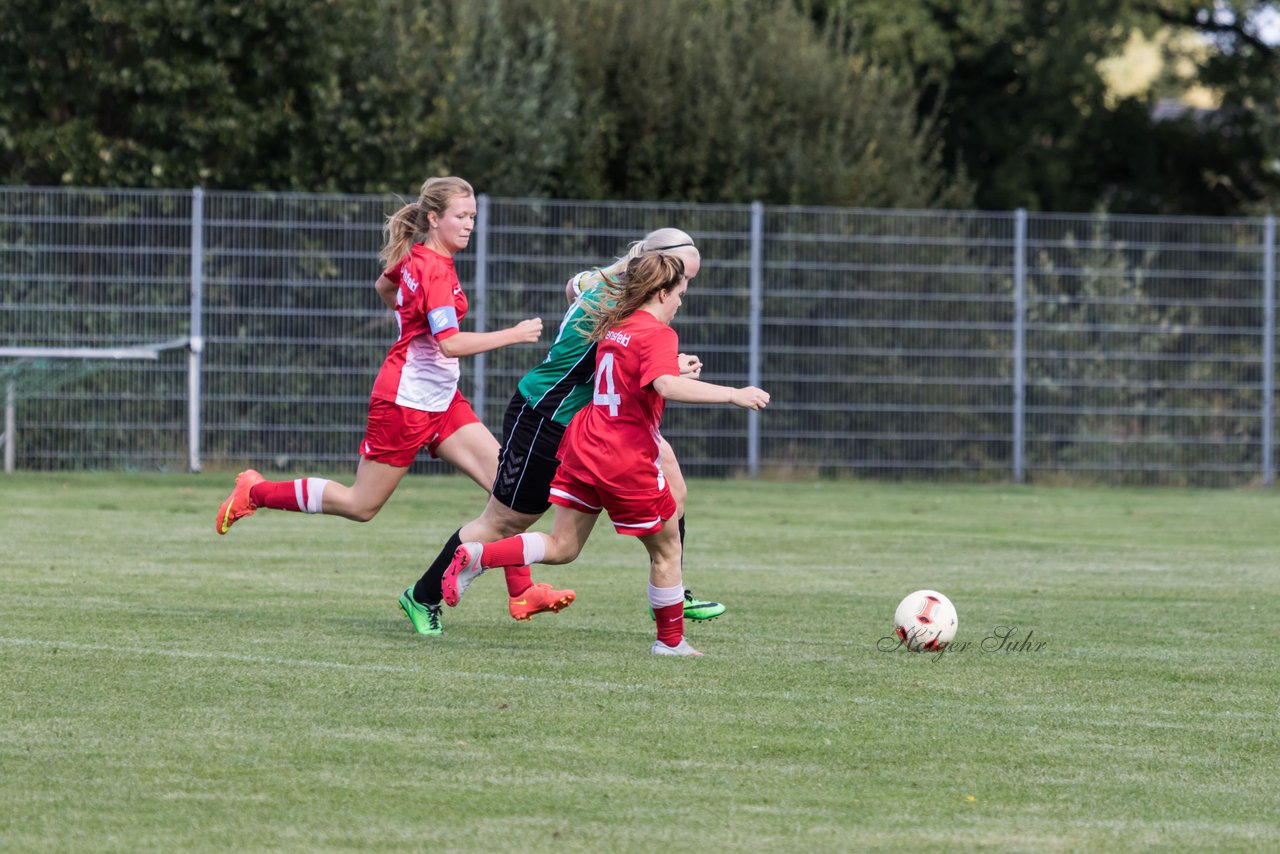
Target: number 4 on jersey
{"type": "Point", "coordinates": [604, 377]}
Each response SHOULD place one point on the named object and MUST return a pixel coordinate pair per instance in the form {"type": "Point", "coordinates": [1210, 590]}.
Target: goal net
{"type": "Point", "coordinates": [32, 373]}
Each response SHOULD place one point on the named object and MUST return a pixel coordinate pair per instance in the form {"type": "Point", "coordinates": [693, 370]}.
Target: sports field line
{"type": "Point", "coordinates": [319, 664]}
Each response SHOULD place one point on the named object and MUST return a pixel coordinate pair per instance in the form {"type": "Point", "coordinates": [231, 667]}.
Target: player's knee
{"type": "Point", "coordinates": [502, 521]}
{"type": "Point", "coordinates": [562, 551]}
{"type": "Point", "coordinates": [508, 528]}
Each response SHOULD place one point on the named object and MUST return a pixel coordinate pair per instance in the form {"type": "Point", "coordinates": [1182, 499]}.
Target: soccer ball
{"type": "Point", "coordinates": [925, 621]}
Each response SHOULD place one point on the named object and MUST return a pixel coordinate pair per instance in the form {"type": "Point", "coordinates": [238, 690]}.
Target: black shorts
{"type": "Point", "coordinates": [527, 462]}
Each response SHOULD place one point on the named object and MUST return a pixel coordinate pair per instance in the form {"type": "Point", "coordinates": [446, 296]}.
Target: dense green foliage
{"type": "Point", "coordinates": [909, 103]}
{"type": "Point", "coordinates": [1246, 69]}
{"type": "Point", "coordinates": [168, 689]}
{"type": "Point", "coordinates": [1024, 109]}
{"type": "Point", "coordinates": [687, 100]}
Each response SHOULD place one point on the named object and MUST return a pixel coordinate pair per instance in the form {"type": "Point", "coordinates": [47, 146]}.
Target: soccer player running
{"type": "Point", "coordinates": [610, 458]}
{"type": "Point", "coordinates": [415, 401]}
{"type": "Point", "coordinates": [540, 410]}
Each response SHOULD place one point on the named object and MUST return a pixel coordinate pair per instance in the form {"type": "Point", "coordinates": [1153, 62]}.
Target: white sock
{"type": "Point", "coordinates": [535, 548]}
{"type": "Point", "coordinates": [662, 596]}
{"type": "Point", "coordinates": [309, 491]}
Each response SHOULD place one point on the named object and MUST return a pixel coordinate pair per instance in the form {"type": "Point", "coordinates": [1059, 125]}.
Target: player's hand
{"type": "Point", "coordinates": [528, 331]}
{"type": "Point", "coordinates": [690, 366]}
{"type": "Point", "coordinates": [750, 398]}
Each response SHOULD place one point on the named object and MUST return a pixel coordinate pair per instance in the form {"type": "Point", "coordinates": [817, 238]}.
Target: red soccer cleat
{"type": "Point", "coordinates": [537, 599]}
{"type": "Point", "coordinates": [238, 503]}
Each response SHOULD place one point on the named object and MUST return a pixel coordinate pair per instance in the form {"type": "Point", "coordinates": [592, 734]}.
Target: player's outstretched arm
{"type": "Point", "coordinates": [686, 390]}
{"type": "Point", "coordinates": [470, 343]}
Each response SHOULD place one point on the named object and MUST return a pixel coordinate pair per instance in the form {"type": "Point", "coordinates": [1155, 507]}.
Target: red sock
{"type": "Point", "coordinates": [519, 579]}
{"type": "Point", "coordinates": [670, 623]}
{"type": "Point", "coordinates": [277, 495]}
{"type": "Point", "coordinates": [508, 552]}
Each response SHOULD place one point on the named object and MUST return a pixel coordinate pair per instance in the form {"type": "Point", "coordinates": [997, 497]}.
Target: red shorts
{"type": "Point", "coordinates": [394, 434]}
{"type": "Point", "coordinates": [632, 513]}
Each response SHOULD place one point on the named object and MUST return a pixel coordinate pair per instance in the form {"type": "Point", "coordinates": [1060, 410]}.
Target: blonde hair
{"type": "Point", "coordinates": [410, 225]}
{"type": "Point", "coordinates": [643, 277]}
{"type": "Point", "coordinates": [663, 239]}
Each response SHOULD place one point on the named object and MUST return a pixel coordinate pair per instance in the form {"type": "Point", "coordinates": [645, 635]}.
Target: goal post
{"type": "Point", "coordinates": [30, 367]}
{"type": "Point", "coordinates": [143, 351]}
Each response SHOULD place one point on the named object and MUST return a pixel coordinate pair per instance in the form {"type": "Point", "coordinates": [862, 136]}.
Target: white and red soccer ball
{"type": "Point", "coordinates": [925, 621]}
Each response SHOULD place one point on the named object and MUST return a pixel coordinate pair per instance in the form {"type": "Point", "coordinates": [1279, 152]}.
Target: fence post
{"type": "Point", "coordinates": [756, 306]}
{"type": "Point", "coordinates": [1019, 342]}
{"type": "Point", "coordinates": [482, 298]}
{"type": "Point", "coordinates": [195, 348]}
{"type": "Point", "coordinates": [10, 424]}
{"type": "Point", "coordinates": [1268, 347]}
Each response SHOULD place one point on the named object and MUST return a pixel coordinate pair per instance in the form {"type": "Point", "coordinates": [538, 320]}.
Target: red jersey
{"type": "Point", "coordinates": [615, 440]}
{"type": "Point", "coordinates": [429, 306]}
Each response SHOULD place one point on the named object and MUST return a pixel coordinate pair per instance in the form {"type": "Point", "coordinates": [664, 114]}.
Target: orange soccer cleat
{"type": "Point", "coordinates": [537, 599]}
{"type": "Point", "coordinates": [238, 503]}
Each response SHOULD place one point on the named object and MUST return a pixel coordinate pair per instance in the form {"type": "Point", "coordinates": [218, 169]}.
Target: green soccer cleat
{"type": "Point", "coordinates": [696, 609]}
{"type": "Point", "coordinates": [425, 618]}
{"type": "Point", "coordinates": [700, 609]}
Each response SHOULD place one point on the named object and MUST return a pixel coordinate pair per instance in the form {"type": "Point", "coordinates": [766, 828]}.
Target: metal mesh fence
{"type": "Point", "coordinates": [293, 331]}
{"type": "Point", "coordinates": [888, 337]}
{"type": "Point", "coordinates": [95, 269]}
{"type": "Point", "coordinates": [894, 343]}
{"type": "Point", "coordinates": [1145, 348]}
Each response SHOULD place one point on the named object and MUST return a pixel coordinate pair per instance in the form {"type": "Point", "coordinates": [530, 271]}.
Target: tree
{"type": "Point", "coordinates": [717, 101]}
{"type": "Point", "coordinates": [1243, 65]}
{"type": "Point", "coordinates": [693, 100]}
{"type": "Point", "coordinates": [1027, 115]}
{"type": "Point", "coordinates": [159, 93]}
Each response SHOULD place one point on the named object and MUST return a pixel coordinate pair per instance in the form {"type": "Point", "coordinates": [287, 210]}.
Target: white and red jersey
{"type": "Point", "coordinates": [429, 306]}
{"type": "Point", "coordinates": [615, 439]}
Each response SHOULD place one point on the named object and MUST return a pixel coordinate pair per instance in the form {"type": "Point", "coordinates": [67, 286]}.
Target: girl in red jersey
{"type": "Point", "coordinates": [610, 457]}
{"type": "Point", "coordinates": [415, 402]}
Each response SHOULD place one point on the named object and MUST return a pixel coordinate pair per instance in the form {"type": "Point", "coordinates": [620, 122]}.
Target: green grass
{"type": "Point", "coordinates": [163, 688]}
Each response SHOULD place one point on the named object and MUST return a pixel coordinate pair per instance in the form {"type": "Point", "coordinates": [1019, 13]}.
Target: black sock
{"type": "Point", "coordinates": [681, 546]}
{"type": "Point", "coordinates": [427, 590]}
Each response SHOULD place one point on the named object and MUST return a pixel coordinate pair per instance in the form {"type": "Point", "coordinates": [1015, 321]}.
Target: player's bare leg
{"type": "Point", "coordinates": [569, 532]}
{"type": "Point", "coordinates": [674, 476]}
{"type": "Point", "coordinates": [497, 522]}
{"type": "Point", "coordinates": [694, 608]}
{"type": "Point", "coordinates": [361, 502]}
{"type": "Point", "coordinates": [473, 451]}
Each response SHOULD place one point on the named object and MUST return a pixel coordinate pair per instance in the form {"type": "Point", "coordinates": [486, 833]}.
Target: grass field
{"type": "Point", "coordinates": [162, 688]}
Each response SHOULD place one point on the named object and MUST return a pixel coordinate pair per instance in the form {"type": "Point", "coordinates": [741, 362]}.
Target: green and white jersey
{"type": "Point", "coordinates": [561, 385]}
